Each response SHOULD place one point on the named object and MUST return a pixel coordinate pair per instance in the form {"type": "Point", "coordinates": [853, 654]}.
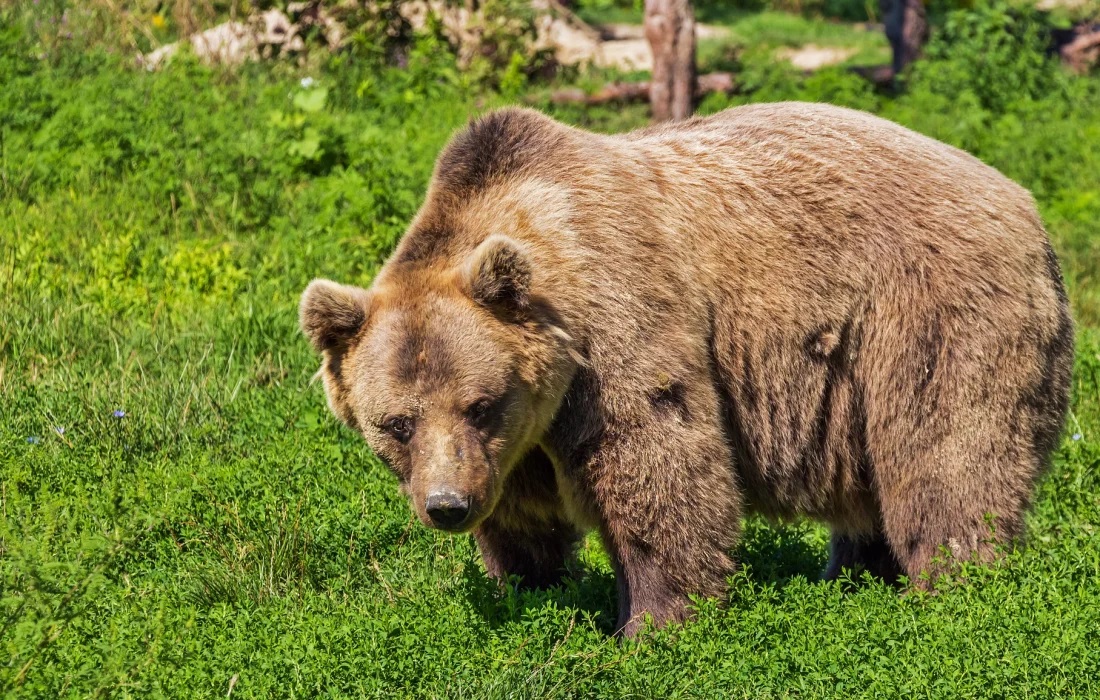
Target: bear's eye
{"type": "Point", "coordinates": [478, 412]}
{"type": "Point", "coordinates": [399, 427]}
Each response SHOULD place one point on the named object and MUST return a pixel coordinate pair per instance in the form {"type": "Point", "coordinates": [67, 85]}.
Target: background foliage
{"type": "Point", "coordinates": [181, 517]}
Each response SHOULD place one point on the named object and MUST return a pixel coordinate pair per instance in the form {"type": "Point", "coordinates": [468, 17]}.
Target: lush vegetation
{"type": "Point", "coordinates": [180, 516]}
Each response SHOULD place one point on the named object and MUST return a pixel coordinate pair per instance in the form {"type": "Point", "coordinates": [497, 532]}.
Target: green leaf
{"type": "Point", "coordinates": [309, 146]}
{"type": "Point", "coordinates": [311, 100]}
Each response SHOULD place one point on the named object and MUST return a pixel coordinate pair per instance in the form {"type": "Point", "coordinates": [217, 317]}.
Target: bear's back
{"type": "Point", "coordinates": [841, 160]}
{"type": "Point", "coordinates": [823, 194]}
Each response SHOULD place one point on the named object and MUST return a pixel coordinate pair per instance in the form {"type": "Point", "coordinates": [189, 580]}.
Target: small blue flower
{"type": "Point", "coordinates": [59, 429]}
{"type": "Point", "coordinates": [1076, 437]}
{"type": "Point", "coordinates": [119, 413]}
{"type": "Point", "coordinates": [33, 440]}
{"type": "Point", "coordinates": [307, 83]}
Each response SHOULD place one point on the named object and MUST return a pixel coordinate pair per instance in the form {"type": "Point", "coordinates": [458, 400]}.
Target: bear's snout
{"type": "Point", "coordinates": [448, 510]}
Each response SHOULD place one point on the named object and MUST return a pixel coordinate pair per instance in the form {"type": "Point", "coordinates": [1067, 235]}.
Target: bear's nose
{"type": "Point", "coordinates": [447, 510]}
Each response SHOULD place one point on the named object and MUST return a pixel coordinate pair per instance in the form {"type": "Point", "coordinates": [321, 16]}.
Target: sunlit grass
{"type": "Point", "coordinates": [179, 509]}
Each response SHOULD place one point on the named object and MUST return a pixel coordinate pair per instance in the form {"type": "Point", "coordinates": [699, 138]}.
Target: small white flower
{"type": "Point", "coordinates": [1076, 437]}
{"type": "Point", "coordinates": [307, 82]}
{"type": "Point", "coordinates": [59, 429]}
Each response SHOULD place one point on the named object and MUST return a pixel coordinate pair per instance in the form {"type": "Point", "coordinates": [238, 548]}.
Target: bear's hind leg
{"type": "Point", "coordinates": [527, 535]}
{"type": "Point", "coordinates": [932, 523]}
{"type": "Point", "coordinates": [857, 553]}
{"type": "Point", "coordinates": [959, 427]}
{"type": "Point", "coordinates": [955, 500]}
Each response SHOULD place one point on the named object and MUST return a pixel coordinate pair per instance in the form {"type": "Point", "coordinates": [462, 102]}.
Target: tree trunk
{"type": "Point", "coordinates": [1079, 47]}
{"type": "Point", "coordinates": [670, 30]}
{"type": "Point", "coordinates": [906, 29]}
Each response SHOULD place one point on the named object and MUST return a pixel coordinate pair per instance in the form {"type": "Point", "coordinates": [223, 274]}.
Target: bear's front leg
{"type": "Point", "coordinates": [668, 506]}
{"type": "Point", "coordinates": [527, 534]}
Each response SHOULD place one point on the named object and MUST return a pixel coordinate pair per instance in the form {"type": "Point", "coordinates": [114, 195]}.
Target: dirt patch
{"type": "Point", "coordinates": [621, 46]}
{"type": "Point", "coordinates": [812, 57]}
{"type": "Point", "coordinates": [624, 54]}
{"type": "Point", "coordinates": [1067, 4]}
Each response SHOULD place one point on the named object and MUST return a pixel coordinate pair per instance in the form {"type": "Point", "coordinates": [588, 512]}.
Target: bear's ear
{"type": "Point", "coordinates": [330, 313]}
{"type": "Point", "coordinates": [499, 274]}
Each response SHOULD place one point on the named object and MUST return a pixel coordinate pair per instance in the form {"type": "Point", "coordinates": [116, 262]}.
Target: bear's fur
{"type": "Point", "coordinates": [789, 309]}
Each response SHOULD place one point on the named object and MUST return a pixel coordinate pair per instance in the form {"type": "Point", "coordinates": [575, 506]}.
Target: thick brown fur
{"type": "Point", "coordinates": [791, 309]}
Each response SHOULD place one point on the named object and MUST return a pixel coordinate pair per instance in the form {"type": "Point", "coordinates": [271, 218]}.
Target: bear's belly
{"type": "Point", "coordinates": [797, 427]}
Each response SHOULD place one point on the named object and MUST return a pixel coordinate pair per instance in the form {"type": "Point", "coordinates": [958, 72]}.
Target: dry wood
{"type": "Point", "coordinates": [670, 29]}
{"type": "Point", "coordinates": [1080, 50]}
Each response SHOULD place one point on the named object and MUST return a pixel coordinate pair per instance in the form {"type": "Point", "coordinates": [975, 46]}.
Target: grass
{"type": "Point", "coordinates": [765, 33]}
{"type": "Point", "coordinates": [155, 231]}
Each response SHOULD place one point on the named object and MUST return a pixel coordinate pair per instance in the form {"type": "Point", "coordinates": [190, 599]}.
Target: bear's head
{"type": "Point", "coordinates": [451, 372]}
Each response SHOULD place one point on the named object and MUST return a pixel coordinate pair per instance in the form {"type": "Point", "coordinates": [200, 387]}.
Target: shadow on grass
{"type": "Point", "coordinates": [774, 555]}
{"type": "Point", "coordinates": [777, 554]}
{"type": "Point", "coordinates": [589, 592]}
{"type": "Point", "coordinates": [770, 555]}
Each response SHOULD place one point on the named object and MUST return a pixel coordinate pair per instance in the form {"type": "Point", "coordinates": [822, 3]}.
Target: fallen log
{"type": "Point", "coordinates": [639, 91]}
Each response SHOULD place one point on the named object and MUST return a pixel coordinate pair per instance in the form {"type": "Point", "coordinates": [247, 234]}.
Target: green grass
{"type": "Point", "coordinates": [155, 231]}
{"type": "Point", "coordinates": [763, 33]}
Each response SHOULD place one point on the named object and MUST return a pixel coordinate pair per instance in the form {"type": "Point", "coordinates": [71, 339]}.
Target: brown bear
{"type": "Point", "coordinates": [790, 309]}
